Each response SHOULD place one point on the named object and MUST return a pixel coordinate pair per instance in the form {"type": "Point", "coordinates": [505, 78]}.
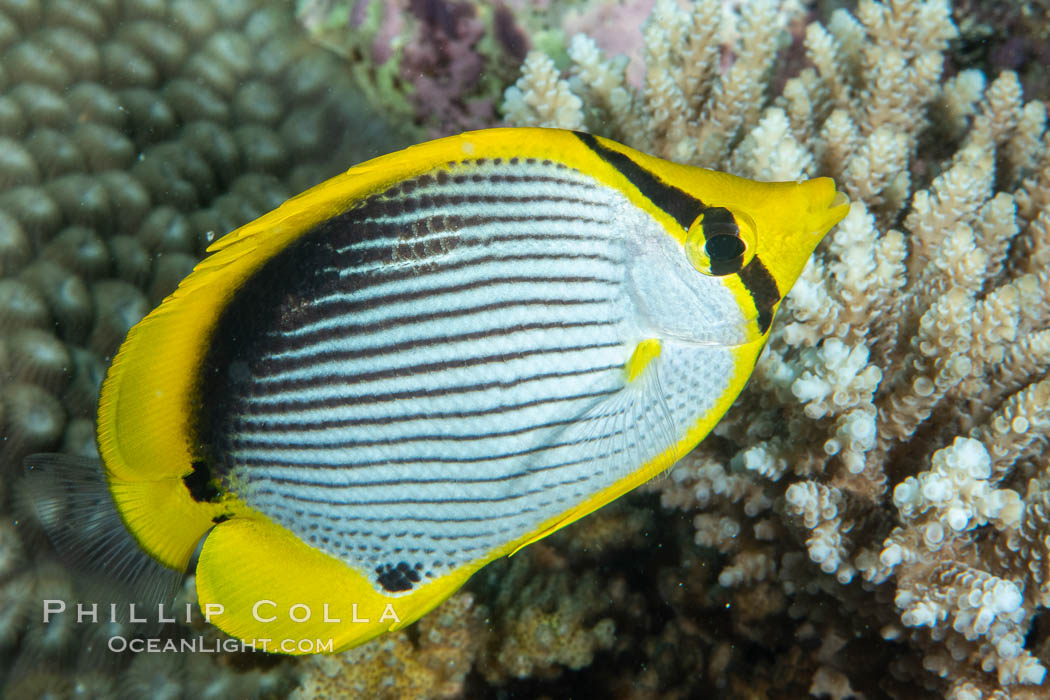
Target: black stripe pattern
{"type": "Point", "coordinates": [764, 291]}
{"type": "Point", "coordinates": [684, 208]}
{"type": "Point", "coordinates": [438, 370]}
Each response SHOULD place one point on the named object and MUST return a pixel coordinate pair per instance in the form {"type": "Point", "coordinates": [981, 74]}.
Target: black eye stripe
{"type": "Point", "coordinates": [722, 243]}
{"type": "Point", "coordinates": [719, 221]}
{"type": "Point", "coordinates": [763, 289]}
{"type": "Point", "coordinates": [680, 205]}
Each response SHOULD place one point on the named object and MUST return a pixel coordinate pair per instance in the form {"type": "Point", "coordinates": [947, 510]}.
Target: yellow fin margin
{"type": "Point", "coordinates": [257, 581]}
{"type": "Point", "coordinates": [148, 397]}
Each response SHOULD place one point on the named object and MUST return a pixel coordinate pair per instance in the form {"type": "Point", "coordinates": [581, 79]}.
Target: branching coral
{"type": "Point", "coordinates": [545, 623]}
{"type": "Point", "coordinates": [895, 426]}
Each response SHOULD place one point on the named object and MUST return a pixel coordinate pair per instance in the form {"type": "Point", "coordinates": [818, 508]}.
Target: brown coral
{"type": "Point", "coordinates": [431, 660]}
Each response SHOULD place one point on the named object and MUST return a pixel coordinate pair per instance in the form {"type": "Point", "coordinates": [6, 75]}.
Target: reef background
{"type": "Point", "coordinates": [872, 519]}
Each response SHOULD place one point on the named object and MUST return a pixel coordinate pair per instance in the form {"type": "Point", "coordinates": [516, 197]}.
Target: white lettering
{"type": "Point", "coordinates": [132, 617]}
{"type": "Point", "coordinates": [389, 614]}
{"type": "Point", "coordinates": [353, 612]}
{"type": "Point", "coordinates": [213, 609]}
{"type": "Point", "coordinates": [160, 614]}
{"type": "Point", "coordinates": [53, 607]}
{"type": "Point", "coordinates": [259, 604]}
{"type": "Point", "coordinates": [304, 606]}
{"type": "Point", "coordinates": [82, 612]}
{"type": "Point", "coordinates": [329, 619]}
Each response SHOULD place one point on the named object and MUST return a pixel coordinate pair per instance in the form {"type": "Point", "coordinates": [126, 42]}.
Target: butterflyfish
{"type": "Point", "coordinates": [356, 401]}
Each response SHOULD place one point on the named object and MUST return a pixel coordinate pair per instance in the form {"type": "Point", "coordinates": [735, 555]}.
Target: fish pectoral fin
{"type": "Point", "coordinates": [73, 505]}
{"type": "Point", "coordinates": [257, 581]}
{"type": "Point", "coordinates": [629, 427]}
{"type": "Point", "coordinates": [623, 432]}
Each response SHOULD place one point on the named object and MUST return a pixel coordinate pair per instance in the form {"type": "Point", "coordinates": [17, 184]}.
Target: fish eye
{"type": "Point", "coordinates": [721, 241]}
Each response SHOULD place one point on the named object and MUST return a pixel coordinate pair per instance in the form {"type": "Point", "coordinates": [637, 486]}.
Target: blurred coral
{"type": "Point", "coordinates": [544, 623]}
{"type": "Point", "coordinates": [439, 64]}
{"type": "Point", "coordinates": [429, 661]}
{"type": "Point", "coordinates": [131, 135]}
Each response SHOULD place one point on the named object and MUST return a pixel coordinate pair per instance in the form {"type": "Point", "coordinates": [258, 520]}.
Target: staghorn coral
{"type": "Point", "coordinates": [893, 434]}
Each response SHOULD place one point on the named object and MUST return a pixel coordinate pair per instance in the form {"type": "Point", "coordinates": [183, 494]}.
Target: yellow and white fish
{"type": "Point", "coordinates": [426, 363]}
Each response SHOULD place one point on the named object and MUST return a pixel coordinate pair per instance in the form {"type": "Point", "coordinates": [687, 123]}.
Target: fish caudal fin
{"type": "Point", "coordinates": [73, 505]}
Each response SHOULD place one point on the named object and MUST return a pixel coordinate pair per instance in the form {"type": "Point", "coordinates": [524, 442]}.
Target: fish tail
{"type": "Point", "coordinates": [71, 499]}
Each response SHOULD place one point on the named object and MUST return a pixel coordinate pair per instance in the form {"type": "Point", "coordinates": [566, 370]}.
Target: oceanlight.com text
{"type": "Point", "coordinates": [201, 645]}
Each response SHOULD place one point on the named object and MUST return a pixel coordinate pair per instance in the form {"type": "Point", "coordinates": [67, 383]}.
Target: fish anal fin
{"type": "Point", "coordinates": [256, 580]}
{"type": "Point", "coordinates": [164, 518]}
{"type": "Point", "coordinates": [546, 530]}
